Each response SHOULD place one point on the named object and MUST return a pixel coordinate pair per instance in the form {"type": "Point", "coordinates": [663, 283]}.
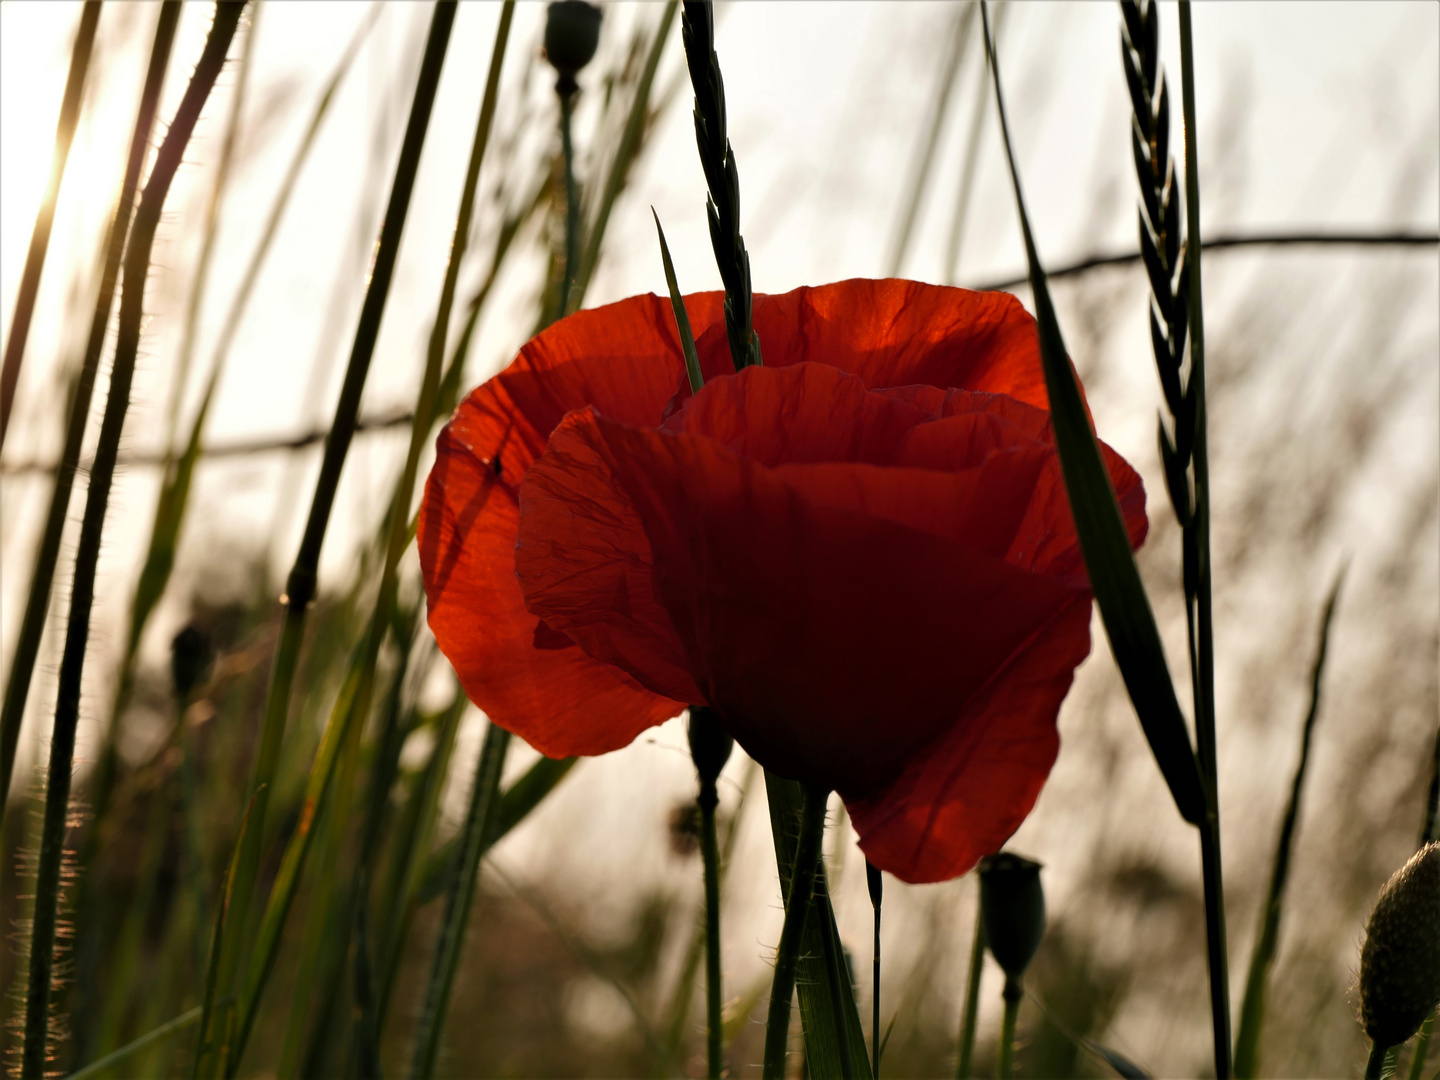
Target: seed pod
{"type": "Point", "coordinates": [190, 656]}
{"type": "Point", "coordinates": [1400, 963]}
{"type": "Point", "coordinates": [710, 744]}
{"type": "Point", "coordinates": [1012, 908]}
{"type": "Point", "coordinates": [572, 32]}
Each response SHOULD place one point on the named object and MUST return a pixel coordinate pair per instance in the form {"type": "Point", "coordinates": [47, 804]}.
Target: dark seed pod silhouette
{"type": "Point", "coordinates": [572, 32]}
{"type": "Point", "coordinates": [190, 655]}
{"type": "Point", "coordinates": [1400, 961]}
{"type": "Point", "coordinates": [1012, 906]}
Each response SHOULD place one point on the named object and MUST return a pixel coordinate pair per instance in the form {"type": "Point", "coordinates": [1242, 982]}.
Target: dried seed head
{"type": "Point", "coordinates": [1012, 906]}
{"type": "Point", "coordinates": [1400, 963]}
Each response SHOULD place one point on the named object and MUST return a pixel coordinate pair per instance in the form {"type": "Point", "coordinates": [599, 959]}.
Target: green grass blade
{"type": "Point", "coordinates": [682, 320]}
{"type": "Point", "coordinates": [518, 800]}
{"type": "Point", "coordinates": [448, 947]}
{"type": "Point", "coordinates": [1114, 577]}
{"type": "Point", "coordinates": [204, 1046]}
{"type": "Point", "coordinates": [632, 139]}
{"type": "Point", "coordinates": [27, 646]}
{"type": "Point", "coordinates": [67, 709]}
{"type": "Point", "coordinates": [1252, 1010]}
{"type": "Point", "coordinates": [103, 1065]}
{"type": "Point", "coordinates": [45, 217]}
{"type": "Point", "coordinates": [925, 152]}
{"type": "Point", "coordinates": [300, 584]}
{"type": "Point", "coordinates": [834, 1039]}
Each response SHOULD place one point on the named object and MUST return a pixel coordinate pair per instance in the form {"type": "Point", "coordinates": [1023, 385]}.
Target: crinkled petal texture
{"type": "Point", "coordinates": [860, 554]}
{"type": "Point", "coordinates": [869, 587]}
{"type": "Point", "coordinates": [526, 677]}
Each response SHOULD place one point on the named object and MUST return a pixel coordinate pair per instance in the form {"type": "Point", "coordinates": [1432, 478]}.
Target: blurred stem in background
{"type": "Point", "coordinates": [301, 583]}
{"type": "Point", "coordinates": [45, 215]}
{"type": "Point", "coordinates": [1252, 1009]}
{"type": "Point", "coordinates": [27, 646]}
{"type": "Point", "coordinates": [38, 1048]}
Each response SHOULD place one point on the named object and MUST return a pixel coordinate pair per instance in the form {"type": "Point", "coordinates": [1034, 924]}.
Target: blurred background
{"type": "Point", "coordinates": [867, 146]}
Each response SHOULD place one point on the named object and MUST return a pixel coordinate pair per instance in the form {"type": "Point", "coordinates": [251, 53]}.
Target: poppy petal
{"type": "Point", "coordinates": [965, 796]}
{"type": "Point", "coordinates": [529, 677]}
{"type": "Point", "coordinates": [801, 609]}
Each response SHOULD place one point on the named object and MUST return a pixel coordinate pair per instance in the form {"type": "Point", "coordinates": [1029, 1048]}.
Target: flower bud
{"type": "Point", "coordinates": [1400, 962]}
{"type": "Point", "coordinates": [572, 31]}
{"type": "Point", "coordinates": [710, 745]}
{"type": "Point", "coordinates": [1012, 908]}
{"type": "Point", "coordinates": [190, 656]}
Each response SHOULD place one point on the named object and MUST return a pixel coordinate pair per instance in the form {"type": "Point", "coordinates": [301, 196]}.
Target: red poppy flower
{"type": "Point", "coordinates": [860, 555]}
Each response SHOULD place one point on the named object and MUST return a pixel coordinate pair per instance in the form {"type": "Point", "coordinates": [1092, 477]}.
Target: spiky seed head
{"type": "Point", "coordinates": [1400, 961]}
{"type": "Point", "coordinates": [572, 32]}
{"type": "Point", "coordinates": [1012, 907]}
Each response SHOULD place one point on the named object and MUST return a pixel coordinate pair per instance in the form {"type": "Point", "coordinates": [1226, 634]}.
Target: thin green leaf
{"type": "Point", "coordinates": [518, 800]}
{"type": "Point", "coordinates": [682, 319]}
{"type": "Point", "coordinates": [834, 1038]}
{"type": "Point", "coordinates": [1252, 1010]}
{"type": "Point", "coordinates": [105, 1064]}
{"type": "Point", "coordinates": [222, 915]}
{"type": "Point", "coordinates": [1114, 577]}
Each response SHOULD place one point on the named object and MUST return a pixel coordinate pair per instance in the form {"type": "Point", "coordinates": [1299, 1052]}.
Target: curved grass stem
{"type": "Point", "coordinates": [797, 903]}
{"type": "Point", "coordinates": [36, 1051]}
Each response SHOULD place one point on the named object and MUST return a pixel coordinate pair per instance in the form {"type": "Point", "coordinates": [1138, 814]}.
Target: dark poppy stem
{"type": "Point", "coordinates": [802, 884]}
{"type": "Point", "coordinates": [876, 885]}
{"type": "Point", "coordinates": [565, 89]}
{"type": "Point", "coordinates": [972, 999]}
{"type": "Point", "coordinates": [708, 799]}
{"type": "Point", "coordinates": [1012, 993]}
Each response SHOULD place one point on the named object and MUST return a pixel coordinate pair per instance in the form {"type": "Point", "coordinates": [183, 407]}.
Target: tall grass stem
{"type": "Point", "coordinates": [301, 582]}
{"type": "Point", "coordinates": [37, 602]}
{"type": "Point", "coordinates": [1005, 1053]}
{"type": "Point", "coordinates": [24, 311]}
{"type": "Point", "coordinates": [67, 710]}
